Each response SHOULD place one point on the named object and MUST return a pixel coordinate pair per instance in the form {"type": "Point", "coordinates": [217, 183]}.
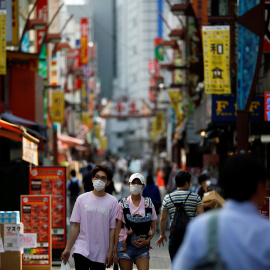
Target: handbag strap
{"type": "Point", "coordinates": [212, 248]}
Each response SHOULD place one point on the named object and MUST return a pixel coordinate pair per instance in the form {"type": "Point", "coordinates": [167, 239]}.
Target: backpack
{"type": "Point", "coordinates": [74, 189]}
{"type": "Point", "coordinates": [211, 259]}
{"type": "Point", "coordinates": [181, 217]}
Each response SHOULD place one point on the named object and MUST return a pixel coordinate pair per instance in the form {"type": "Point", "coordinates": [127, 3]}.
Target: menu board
{"type": "Point", "coordinates": [52, 181]}
{"type": "Point", "coordinates": [36, 217]}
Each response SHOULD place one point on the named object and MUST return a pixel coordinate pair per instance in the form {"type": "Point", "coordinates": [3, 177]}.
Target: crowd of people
{"type": "Point", "coordinates": [109, 229]}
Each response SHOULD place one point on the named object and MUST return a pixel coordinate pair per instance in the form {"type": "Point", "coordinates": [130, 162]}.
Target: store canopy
{"type": "Point", "coordinates": [40, 131]}
{"type": "Point", "coordinates": [69, 140]}
{"type": "Point", "coordinates": [15, 132]}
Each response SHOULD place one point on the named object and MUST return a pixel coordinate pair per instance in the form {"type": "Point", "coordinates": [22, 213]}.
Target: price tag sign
{"type": "Point", "coordinates": [27, 240]}
{"type": "Point", "coordinates": [1, 246]}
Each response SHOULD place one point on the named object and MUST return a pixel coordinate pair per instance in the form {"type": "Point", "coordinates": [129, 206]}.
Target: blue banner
{"type": "Point", "coordinates": [224, 109]}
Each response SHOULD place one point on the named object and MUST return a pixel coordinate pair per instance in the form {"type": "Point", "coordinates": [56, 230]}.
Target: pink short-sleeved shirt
{"type": "Point", "coordinates": [96, 215]}
{"type": "Point", "coordinates": [133, 211]}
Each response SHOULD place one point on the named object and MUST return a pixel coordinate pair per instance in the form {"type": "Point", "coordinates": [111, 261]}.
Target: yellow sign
{"type": "Point", "coordinates": [97, 132]}
{"type": "Point", "coordinates": [15, 24]}
{"type": "Point", "coordinates": [103, 143]}
{"type": "Point", "coordinates": [176, 102]}
{"type": "Point", "coordinates": [57, 109]}
{"type": "Point", "coordinates": [159, 121]}
{"type": "Point", "coordinates": [30, 151]}
{"type": "Point", "coordinates": [3, 43]}
{"type": "Point", "coordinates": [216, 58]}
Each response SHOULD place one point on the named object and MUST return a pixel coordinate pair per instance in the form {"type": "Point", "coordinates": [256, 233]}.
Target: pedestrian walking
{"type": "Point", "coordinates": [192, 206]}
{"type": "Point", "coordinates": [74, 186]}
{"type": "Point", "coordinates": [94, 222]}
{"type": "Point", "coordinates": [87, 179]}
{"type": "Point", "coordinates": [137, 213]}
{"type": "Point", "coordinates": [242, 237]}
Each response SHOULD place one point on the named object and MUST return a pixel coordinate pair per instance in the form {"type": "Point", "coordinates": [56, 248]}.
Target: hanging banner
{"type": "Point", "coordinates": [14, 24]}
{"type": "Point", "coordinates": [200, 10]}
{"type": "Point", "coordinates": [84, 41]}
{"type": "Point", "coordinates": [57, 109]}
{"type": "Point", "coordinates": [216, 56]}
{"type": "Point", "coordinates": [54, 73]}
{"type": "Point", "coordinates": [176, 99]}
{"type": "Point", "coordinates": [52, 181]}
{"type": "Point", "coordinates": [3, 58]}
{"type": "Point", "coordinates": [41, 14]}
{"type": "Point", "coordinates": [36, 217]}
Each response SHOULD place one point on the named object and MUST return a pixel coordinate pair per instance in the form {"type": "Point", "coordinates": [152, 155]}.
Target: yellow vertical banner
{"type": "Point", "coordinates": [97, 132]}
{"type": "Point", "coordinates": [3, 43]}
{"type": "Point", "coordinates": [103, 143]}
{"type": "Point", "coordinates": [159, 121]}
{"type": "Point", "coordinates": [176, 102]}
{"type": "Point", "coordinates": [154, 129]}
{"type": "Point", "coordinates": [15, 24]}
{"type": "Point", "coordinates": [86, 120]}
{"type": "Point", "coordinates": [216, 58]}
{"type": "Point", "coordinates": [57, 108]}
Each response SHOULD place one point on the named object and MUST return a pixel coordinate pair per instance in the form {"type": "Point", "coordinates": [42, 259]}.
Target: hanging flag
{"type": "Point", "coordinates": [176, 102]}
{"type": "Point", "coordinates": [3, 60]}
{"type": "Point", "coordinates": [216, 56]}
{"type": "Point", "coordinates": [57, 109]}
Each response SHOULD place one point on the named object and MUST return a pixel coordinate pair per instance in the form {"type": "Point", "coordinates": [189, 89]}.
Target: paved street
{"type": "Point", "coordinates": [160, 259]}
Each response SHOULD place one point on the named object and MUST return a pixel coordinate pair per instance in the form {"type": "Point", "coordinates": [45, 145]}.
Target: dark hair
{"type": "Point", "coordinates": [181, 178]}
{"type": "Point", "coordinates": [149, 180]}
{"type": "Point", "coordinates": [203, 177]}
{"type": "Point", "coordinates": [73, 173]}
{"type": "Point", "coordinates": [89, 168]}
{"type": "Point", "coordinates": [105, 169]}
{"type": "Point", "coordinates": [240, 175]}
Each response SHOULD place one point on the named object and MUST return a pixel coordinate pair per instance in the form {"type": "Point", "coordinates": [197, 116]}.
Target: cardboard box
{"type": "Point", "coordinates": [209, 196]}
{"type": "Point", "coordinates": [10, 259]}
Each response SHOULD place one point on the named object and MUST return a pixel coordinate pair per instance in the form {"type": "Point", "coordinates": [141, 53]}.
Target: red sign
{"type": "Point", "coordinates": [84, 41]}
{"type": "Point", "coordinates": [266, 106]}
{"type": "Point", "coordinates": [36, 218]}
{"type": "Point", "coordinates": [42, 13]}
{"type": "Point", "coordinates": [52, 181]}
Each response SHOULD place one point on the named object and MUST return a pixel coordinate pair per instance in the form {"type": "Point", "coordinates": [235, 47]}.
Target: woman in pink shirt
{"type": "Point", "coordinates": [143, 227]}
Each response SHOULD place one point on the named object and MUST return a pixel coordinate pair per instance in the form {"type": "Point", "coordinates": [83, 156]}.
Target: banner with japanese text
{"type": "Point", "coordinates": [57, 108]}
{"type": "Point", "coordinates": [3, 66]}
{"type": "Point", "coordinates": [216, 56]}
{"type": "Point", "coordinates": [41, 14]}
{"type": "Point", "coordinates": [175, 99]}
{"type": "Point", "coordinates": [84, 41]}
{"type": "Point", "coordinates": [13, 25]}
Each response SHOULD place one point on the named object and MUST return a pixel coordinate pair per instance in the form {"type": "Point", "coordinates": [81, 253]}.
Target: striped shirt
{"type": "Point", "coordinates": [179, 196]}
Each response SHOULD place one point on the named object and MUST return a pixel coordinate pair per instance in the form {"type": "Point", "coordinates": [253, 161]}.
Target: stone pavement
{"type": "Point", "coordinates": [160, 259]}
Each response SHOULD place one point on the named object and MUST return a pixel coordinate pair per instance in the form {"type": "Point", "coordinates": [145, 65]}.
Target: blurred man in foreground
{"type": "Point", "coordinates": [243, 234]}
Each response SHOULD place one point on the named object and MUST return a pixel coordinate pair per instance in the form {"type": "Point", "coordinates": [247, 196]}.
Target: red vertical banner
{"type": "Point", "coordinates": [200, 10]}
{"type": "Point", "coordinates": [42, 13]}
{"type": "Point", "coordinates": [36, 217]}
{"type": "Point", "coordinates": [52, 181]}
{"type": "Point", "coordinates": [84, 41]}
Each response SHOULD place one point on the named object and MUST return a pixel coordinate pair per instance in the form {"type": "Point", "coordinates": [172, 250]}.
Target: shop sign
{"type": "Point", "coordinates": [36, 217]}
{"type": "Point", "coordinates": [30, 151]}
{"type": "Point", "coordinates": [159, 51]}
{"type": "Point", "coordinates": [224, 109]}
{"type": "Point", "coordinates": [52, 181]}
{"type": "Point", "coordinates": [84, 41]}
{"type": "Point", "coordinates": [42, 14]}
{"type": "Point", "coordinates": [216, 58]}
{"type": "Point", "coordinates": [267, 106]}
{"type": "Point", "coordinates": [176, 102]}
{"type": "Point", "coordinates": [57, 109]}
{"type": "Point", "coordinates": [13, 24]}
{"type": "Point", "coordinates": [11, 232]}
{"type": "Point", "coordinates": [200, 10]}
{"type": "Point", "coordinates": [3, 60]}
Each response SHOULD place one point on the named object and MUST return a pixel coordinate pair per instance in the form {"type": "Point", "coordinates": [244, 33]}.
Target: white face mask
{"type": "Point", "coordinates": [136, 189]}
{"type": "Point", "coordinates": [98, 185]}
{"type": "Point", "coordinates": [208, 182]}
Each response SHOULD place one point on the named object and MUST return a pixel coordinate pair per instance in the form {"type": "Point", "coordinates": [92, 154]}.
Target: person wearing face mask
{"type": "Point", "coordinates": [137, 213]}
{"type": "Point", "coordinates": [94, 222]}
{"type": "Point", "coordinates": [204, 181]}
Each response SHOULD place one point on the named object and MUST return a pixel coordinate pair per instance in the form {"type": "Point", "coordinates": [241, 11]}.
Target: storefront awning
{"type": "Point", "coordinates": [69, 140]}
{"type": "Point", "coordinates": [15, 132]}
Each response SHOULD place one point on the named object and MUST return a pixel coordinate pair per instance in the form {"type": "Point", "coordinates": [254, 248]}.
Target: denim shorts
{"type": "Point", "coordinates": [132, 253]}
